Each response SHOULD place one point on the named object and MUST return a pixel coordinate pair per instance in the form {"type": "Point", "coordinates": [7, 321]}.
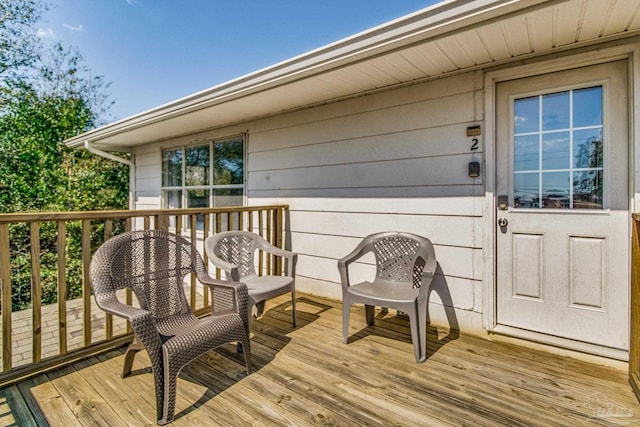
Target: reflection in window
{"type": "Point", "coordinates": [172, 168]}
{"type": "Point", "coordinates": [198, 199]}
{"type": "Point", "coordinates": [559, 150]}
{"type": "Point", "coordinates": [197, 168]}
{"type": "Point", "coordinates": [204, 175]}
{"type": "Point", "coordinates": [227, 162]}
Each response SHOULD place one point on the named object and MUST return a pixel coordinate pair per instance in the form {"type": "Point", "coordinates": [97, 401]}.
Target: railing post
{"type": "Point", "coordinates": [86, 287]}
{"type": "Point", "coordinates": [5, 303]}
{"type": "Point", "coordinates": [62, 286]}
{"type": "Point", "coordinates": [277, 237]}
{"type": "Point", "coordinates": [36, 293]}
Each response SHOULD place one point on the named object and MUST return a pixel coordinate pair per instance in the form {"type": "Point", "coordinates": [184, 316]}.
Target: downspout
{"type": "Point", "coordinates": [132, 169]}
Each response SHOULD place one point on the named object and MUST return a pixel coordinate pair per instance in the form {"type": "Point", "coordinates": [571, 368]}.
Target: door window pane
{"type": "Point", "coordinates": [555, 111]}
{"type": "Point", "coordinates": [555, 150]}
{"type": "Point", "coordinates": [587, 148]}
{"type": "Point", "coordinates": [587, 107]}
{"type": "Point", "coordinates": [172, 168]}
{"type": "Point", "coordinates": [588, 190]}
{"type": "Point", "coordinates": [526, 149]}
{"type": "Point", "coordinates": [527, 115]}
{"type": "Point", "coordinates": [555, 190]}
{"type": "Point", "coordinates": [527, 190]}
{"type": "Point", "coordinates": [228, 162]}
{"type": "Point", "coordinates": [559, 164]}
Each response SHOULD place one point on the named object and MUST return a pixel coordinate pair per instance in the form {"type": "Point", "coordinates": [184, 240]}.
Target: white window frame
{"type": "Point", "coordinates": [211, 187]}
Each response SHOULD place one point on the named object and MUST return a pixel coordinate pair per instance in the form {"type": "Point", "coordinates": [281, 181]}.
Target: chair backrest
{"type": "Point", "coordinates": [152, 263]}
{"type": "Point", "coordinates": [401, 257]}
{"type": "Point", "coordinates": [237, 248]}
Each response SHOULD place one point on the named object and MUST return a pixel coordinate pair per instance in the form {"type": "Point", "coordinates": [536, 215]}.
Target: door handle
{"type": "Point", "coordinates": [502, 222]}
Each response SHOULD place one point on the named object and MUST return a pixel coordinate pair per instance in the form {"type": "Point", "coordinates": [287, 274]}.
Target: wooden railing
{"type": "Point", "coordinates": [43, 336]}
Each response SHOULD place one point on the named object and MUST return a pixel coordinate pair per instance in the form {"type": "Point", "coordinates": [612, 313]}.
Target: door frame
{"type": "Point", "coordinates": [561, 62]}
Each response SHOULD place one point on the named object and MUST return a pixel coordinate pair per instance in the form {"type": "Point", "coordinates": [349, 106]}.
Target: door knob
{"type": "Point", "coordinates": [502, 222]}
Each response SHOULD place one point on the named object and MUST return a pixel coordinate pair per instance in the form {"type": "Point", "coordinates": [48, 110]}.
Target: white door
{"type": "Point", "coordinates": [562, 205]}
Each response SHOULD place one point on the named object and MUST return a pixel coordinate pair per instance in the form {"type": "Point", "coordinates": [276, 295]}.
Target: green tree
{"type": "Point", "coordinates": [47, 95]}
{"type": "Point", "coordinates": [19, 43]}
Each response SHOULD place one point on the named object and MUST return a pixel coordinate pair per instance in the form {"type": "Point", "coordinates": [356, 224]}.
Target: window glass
{"type": "Point", "coordinates": [527, 190]}
{"type": "Point", "coordinates": [555, 111]}
{"type": "Point", "coordinates": [526, 152]}
{"type": "Point", "coordinates": [587, 148]}
{"type": "Point", "coordinates": [223, 198]}
{"type": "Point", "coordinates": [228, 162]}
{"type": "Point", "coordinates": [172, 199]}
{"type": "Point", "coordinates": [204, 175]}
{"type": "Point", "coordinates": [198, 199]}
{"type": "Point", "coordinates": [172, 168]}
{"type": "Point", "coordinates": [588, 190]}
{"type": "Point", "coordinates": [527, 115]}
{"type": "Point", "coordinates": [587, 107]}
{"type": "Point", "coordinates": [558, 161]}
{"type": "Point", "coordinates": [197, 165]}
{"type": "Point", "coordinates": [555, 190]}
{"type": "Point", "coordinates": [555, 150]}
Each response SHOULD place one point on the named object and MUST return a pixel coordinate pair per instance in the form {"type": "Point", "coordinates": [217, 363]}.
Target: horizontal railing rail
{"type": "Point", "coordinates": [47, 255]}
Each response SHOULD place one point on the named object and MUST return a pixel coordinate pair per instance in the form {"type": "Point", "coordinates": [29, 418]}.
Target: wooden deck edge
{"type": "Point", "coordinates": [32, 370]}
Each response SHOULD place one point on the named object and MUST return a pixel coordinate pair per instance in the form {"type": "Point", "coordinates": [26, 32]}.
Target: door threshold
{"type": "Point", "coordinates": [569, 347]}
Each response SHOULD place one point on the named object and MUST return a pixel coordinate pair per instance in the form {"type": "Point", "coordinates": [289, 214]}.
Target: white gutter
{"type": "Point", "coordinates": [132, 168]}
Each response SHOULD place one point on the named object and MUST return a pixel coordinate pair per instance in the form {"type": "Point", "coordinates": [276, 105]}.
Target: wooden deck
{"type": "Point", "coordinates": [307, 376]}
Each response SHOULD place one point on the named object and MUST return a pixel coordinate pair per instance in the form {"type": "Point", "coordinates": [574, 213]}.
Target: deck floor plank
{"type": "Point", "coordinates": [306, 376]}
{"type": "Point", "coordinates": [46, 402]}
{"type": "Point", "coordinates": [14, 410]}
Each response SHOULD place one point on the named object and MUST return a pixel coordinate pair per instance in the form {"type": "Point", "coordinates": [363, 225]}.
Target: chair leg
{"type": "Point", "coordinates": [346, 311]}
{"type": "Point", "coordinates": [260, 308]}
{"type": "Point", "coordinates": [169, 393]}
{"type": "Point", "coordinates": [129, 355]}
{"type": "Point", "coordinates": [247, 355]}
{"type": "Point", "coordinates": [418, 324]}
{"type": "Point", "coordinates": [370, 313]}
{"type": "Point", "coordinates": [422, 329]}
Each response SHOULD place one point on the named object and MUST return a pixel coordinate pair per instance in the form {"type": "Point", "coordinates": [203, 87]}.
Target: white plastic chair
{"type": "Point", "coordinates": [234, 253]}
{"type": "Point", "coordinates": [405, 265]}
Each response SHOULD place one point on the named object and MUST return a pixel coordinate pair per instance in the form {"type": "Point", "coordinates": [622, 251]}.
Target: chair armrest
{"type": "Point", "coordinates": [290, 256]}
{"type": "Point", "coordinates": [222, 265]}
{"type": "Point", "coordinates": [343, 263]}
{"type": "Point", "coordinates": [142, 322]}
{"type": "Point", "coordinates": [233, 297]}
{"type": "Point", "coordinates": [119, 309]}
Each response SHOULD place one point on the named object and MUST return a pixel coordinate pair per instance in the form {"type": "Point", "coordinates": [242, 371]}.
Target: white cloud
{"type": "Point", "coordinates": [45, 33]}
{"type": "Point", "coordinates": [520, 120]}
{"type": "Point", "coordinates": [131, 1]}
{"type": "Point", "coordinates": [77, 28]}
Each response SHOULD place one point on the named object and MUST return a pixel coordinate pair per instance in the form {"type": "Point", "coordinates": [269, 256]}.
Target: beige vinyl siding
{"type": "Point", "coordinates": [148, 161]}
{"type": "Point", "coordinates": [395, 160]}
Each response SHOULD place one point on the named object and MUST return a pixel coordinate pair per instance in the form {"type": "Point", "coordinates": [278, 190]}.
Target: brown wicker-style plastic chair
{"type": "Point", "coordinates": [234, 253]}
{"type": "Point", "coordinates": [405, 265]}
{"type": "Point", "coordinates": [154, 264]}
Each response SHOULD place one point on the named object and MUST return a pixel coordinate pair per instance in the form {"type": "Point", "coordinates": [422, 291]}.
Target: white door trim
{"type": "Point", "coordinates": [630, 52]}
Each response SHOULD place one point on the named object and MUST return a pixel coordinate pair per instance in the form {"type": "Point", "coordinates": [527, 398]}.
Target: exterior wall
{"type": "Point", "coordinates": [148, 177]}
{"type": "Point", "coordinates": [395, 160]}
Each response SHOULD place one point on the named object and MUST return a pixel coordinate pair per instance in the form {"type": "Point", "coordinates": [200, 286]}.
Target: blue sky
{"type": "Point", "coordinates": [156, 51]}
